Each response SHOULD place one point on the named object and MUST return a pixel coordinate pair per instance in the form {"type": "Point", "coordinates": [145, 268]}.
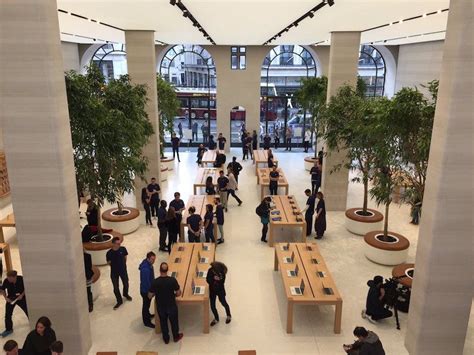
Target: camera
{"type": "Point", "coordinates": [397, 296]}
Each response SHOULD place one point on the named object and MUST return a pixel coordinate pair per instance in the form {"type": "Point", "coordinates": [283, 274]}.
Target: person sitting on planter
{"type": "Point", "coordinates": [220, 160]}
{"type": "Point", "coordinates": [375, 309]}
{"type": "Point", "coordinates": [320, 223]}
{"type": "Point", "coordinates": [162, 226]}
{"type": "Point", "coordinates": [367, 343]}
{"type": "Point", "coordinates": [200, 153]}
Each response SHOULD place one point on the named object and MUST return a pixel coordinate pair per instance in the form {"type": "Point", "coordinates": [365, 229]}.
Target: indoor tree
{"type": "Point", "coordinates": [109, 128]}
{"type": "Point", "coordinates": [413, 115]}
{"type": "Point", "coordinates": [168, 108]}
{"type": "Point", "coordinates": [312, 96]}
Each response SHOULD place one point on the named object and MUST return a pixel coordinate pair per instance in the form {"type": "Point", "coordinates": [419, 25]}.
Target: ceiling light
{"type": "Point", "coordinates": [424, 15]}
{"type": "Point", "coordinates": [311, 15]}
{"type": "Point", "coordinates": [330, 2]}
{"type": "Point", "coordinates": [390, 24]}
{"type": "Point", "coordinates": [401, 21]}
{"type": "Point", "coordinates": [173, 2]}
{"type": "Point", "coordinates": [295, 24]}
{"type": "Point", "coordinates": [439, 11]}
{"type": "Point", "coordinates": [185, 13]}
{"type": "Point", "coordinates": [90, 20]}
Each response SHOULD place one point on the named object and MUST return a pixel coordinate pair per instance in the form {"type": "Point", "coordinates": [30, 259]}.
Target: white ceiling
{"type": "Point", "coordinates": [252, 22]}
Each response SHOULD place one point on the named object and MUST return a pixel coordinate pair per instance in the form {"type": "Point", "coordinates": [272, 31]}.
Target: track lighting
{"type": "Point", "coordinates": [173, 2]}
{"type": "Point", "coordinates": [185, 13]}
{"type": "Point", "coordinates": [311, 15]}
{"type": "Point", "coordinates": [330, 2]}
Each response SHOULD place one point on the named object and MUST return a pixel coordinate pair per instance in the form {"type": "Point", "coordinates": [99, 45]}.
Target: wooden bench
{"type": "Point", "coordinates": [202, 175]}
{"type": "Point", "coordinates": [209, 157]}
{"type": "Point", "coordinates": [260, 156]}
{"type": "Point", "coordinates": [247, 352]}
{"type": "Point", "coordinates": [287, 206]}
{"type": "Point", "coordinates": [314, 294]}
{"type": "Point", "coordinates": [199, 202]}
{"type": "Point", "coordinates": [5, 247]}
{"type": "Point", "coordinates": [184, 260]}
{"type": "Point", "coordinates": [263, 179]}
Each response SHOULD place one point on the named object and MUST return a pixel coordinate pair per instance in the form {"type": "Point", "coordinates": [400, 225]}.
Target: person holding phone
{"type": "Point", "coordinates": [13, 290]}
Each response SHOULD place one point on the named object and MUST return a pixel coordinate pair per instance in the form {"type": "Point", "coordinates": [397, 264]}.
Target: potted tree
{"type": "Point", "coordinates": [312, 96]}
{"type": "Point", "coordinates": [109, 128]}
{"type": "Point", "coordinates": [168, 108]}
{"type": "Point", "coordinates": [384, 246]}
{"type": "Point", "coordinates": [348, 123]}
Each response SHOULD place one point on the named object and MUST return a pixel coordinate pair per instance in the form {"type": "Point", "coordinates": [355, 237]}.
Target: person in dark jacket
{"type": "Point", "coordinates": [220, 160]}
{"type": "Point", "coordinates": [219, 219]}
{"type": "Point", "coordinates": [146, 206]}
{"type": "Point", "coordinates": [320, 222]}
{"type": "Point", "coordinates": [173, 222]}
{"type": "Point", "coordinates": [162, 226]}
{"type": "Point", "coordinates": [374, 305]}
{"type": "Point", "coordinates": [212, 143]}
{"type": "Point", "coordinates": [367, 343]}
{"type": "Point", "coordinates": [209, 224]}
{"type": "Point", "coordinates": [39, 340]}
{"type": "Point", "coordinates": [175, 141]}
{"type": "Point", "coordinates": [315, 173]}
{"type": "Point", "coordinates": [200, 153]}
{"type": "Point", "coordinates": [13, 290]}
{"type": "Point", "coordinates": [263, 211]}
{"type": "Point", "coordinates": [89, 276]}
{"type": "Point", "coordinates": [221, 140]}
{"type": "Point", "coordinates": [267, 140]}
{"type": "Point", "coordinates": [92, 213]}
{"type": "Point", "coordinates": [236, 168]}
{"type": "Point", "coordinates": [147, 275]}
{"type": "Point", "coordinates": [309, 211]}
{"type": "Point", "coordinates": [154, 193]}
{"type": "Point", "coordinates": [254, 140]}
{"type": "Point", "coordinates": [216, 280]}
{"type": "Point", "coordinates": [210, 189]}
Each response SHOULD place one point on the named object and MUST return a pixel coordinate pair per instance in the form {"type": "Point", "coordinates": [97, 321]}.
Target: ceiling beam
{"type": "Point", "coordinates": [189, 15]}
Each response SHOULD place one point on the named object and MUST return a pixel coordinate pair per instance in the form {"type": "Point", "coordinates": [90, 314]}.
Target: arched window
{"type": "Point", "coordinates": [372, 70]}
{"type": "Point", "coordinates": [191, 70]}
{"type": "Point", "coordinates": [111, 59]}
{"type": "Point", "coordinates": [282, 71]}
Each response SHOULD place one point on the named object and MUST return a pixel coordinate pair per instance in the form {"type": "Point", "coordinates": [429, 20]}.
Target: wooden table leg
{"type": "Point", "coordinates": [256, 169]}
{"type": "Point", "coordinates": [338, 318]}
{"type": "Point", "coordinates": [194, 189]}
{"type": "Point", "coordinates": [181, 233]}
{"type": "Point", "coordinates": [289, 317]}
{"type": "Point", "coordinates": [275, 264]}
{"type": "Point", "coordinates": [157, 319]}
{"type": "Point", "coordinates": [205, 316]}
{"type": "Point", "coordinates": [215, 233]}
{"type": "Point", "coordinates": [2, 237]}
{"type": "Point", "coordinates": [270, 232]}
{"type": "Point", "coordinates": [8, 257]}
{"type": "Point", "coordinates": [303, 231]}
{"type": "Point", "coordinates": [261, 192]}
{"type": "Point", "coordinates": [287, 189]}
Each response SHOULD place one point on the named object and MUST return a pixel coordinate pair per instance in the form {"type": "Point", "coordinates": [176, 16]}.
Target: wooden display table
{"type": "Point", "coordinates": [184, 260]}
{"type": "Point", "coordinates": [8, 221]}
{"type": "Point", "coordinates": [202, 175]}
{"type": "Point", "coordinates": [5, 247]}
{"type": "Point", "coordinates": [209, 157]}
{"type": "Point", "coordinates": [287, 206]}
{"type": "Point", "coordinates": [199, 202]}
{"type": "Point", "coordinates": [315, 276]}
{"type": "Point", "coordinates": [263, 179]}
{"type": "Point", "coordinates": [401, 272]}
{"type": "Point", "coordinates": [260, 156]}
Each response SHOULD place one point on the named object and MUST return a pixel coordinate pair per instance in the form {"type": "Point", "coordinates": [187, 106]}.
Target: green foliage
{"type": "Point", "coordinates": [168, 108]}
{"type": "Point", "coordinates": [109, 128]}
{"type": "Point", "coordinates": [361, 87]}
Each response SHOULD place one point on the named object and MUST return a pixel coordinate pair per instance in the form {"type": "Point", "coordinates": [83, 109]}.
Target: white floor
{"type": "Point", "coordinates": [254, 290]}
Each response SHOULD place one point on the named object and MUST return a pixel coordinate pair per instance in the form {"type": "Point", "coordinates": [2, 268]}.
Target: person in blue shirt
{"type": "Point", "coordinates": [212, 143]}
{"type": "Point", "coordinates": [147, 275]}
{"type": "Point", "coordinates": [162, 226]}
{"type": "Point", "coordinates": [117, 259]}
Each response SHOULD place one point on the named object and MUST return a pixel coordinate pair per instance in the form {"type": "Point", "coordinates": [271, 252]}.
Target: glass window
{"type": "Point", "coordinates": [372, 70]}
{"type": "Point", "coordinates": [111, 60]}
{"type": "Point", "coordinates": [242, 62]}
{"type": "Point", "coordinates": [237, 58]}
{"type": "Point", "coordinates": [234, 62]}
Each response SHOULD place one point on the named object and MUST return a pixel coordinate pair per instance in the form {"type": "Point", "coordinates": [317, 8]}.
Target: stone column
{"type": "Point", "coordinates": [38, 146]}
{"type": "Point", "coordinates": [141, 62]}
{"type": "Point", "coordinates": [443, 285]}
{"type": "Point", "coordinates": [343, 62]}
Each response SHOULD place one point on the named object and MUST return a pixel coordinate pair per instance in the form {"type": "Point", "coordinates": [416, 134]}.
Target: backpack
{"type": "Point", "coordinates": [259, 210]}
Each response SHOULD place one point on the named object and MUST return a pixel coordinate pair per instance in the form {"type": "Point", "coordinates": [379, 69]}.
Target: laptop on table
{"type": "Point", "coordinates": [289, 259]}
{"type": "Point", "coordinates": [197, 290]}
{"type": "Point", "coordinates": [200, 274]}
{"type": "Point", "coordinates": [298, 291]}
{"type": "Point", "coordinates": [202, 259]}
{"type": "Point", "coordinates": [293, 273]}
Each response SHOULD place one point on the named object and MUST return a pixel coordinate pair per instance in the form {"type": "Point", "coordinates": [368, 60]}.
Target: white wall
{"type": "Point", "coordinates": [418, 63]}
{"type": "Point", "coordinates": [70, 56]}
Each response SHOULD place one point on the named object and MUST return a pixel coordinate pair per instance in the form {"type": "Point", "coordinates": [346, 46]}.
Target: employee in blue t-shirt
{"type": "Point", "coordinates": [117, 259]}
{"type": "Point", "coordinates": [154, 192]}
{"type": "Point", "coordinates": [309, 210]}
{"type": "Point", "coordinates": [219, 219]}
{"type": "Point", "coordinates": [194, 222]}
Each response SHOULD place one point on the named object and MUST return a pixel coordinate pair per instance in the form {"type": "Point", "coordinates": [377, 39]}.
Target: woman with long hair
{"type": "Point", "coordinates": [216, 280]}
{"type": "Point", "coordinates": [210, 189]}
{"type": "Point", "coordinates": [208, 224]}
{"type": "Point", "coordinates": [320, 224]}
{"type": "Point", "coordinates": [39, 340]}
{"type": "Point", "coordinates": [146, 206]}
{"type": "Point", "coordinates": [173, 227]}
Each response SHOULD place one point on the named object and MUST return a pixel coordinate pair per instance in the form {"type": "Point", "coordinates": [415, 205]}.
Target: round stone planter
{"type": "Point", "coordinates": [98, 250]}
{"type": "Point", "coordinates": [125, 223]}
{"type": "Point", "coordinates": [361, 225]}
{"type": "Point", "coordinates": [95, 285]}
{"type": "Point", "coordinates": [164, 173]}
{"type": "Point", "coordinates": [404, 273]}
{"type": "Point", "coordinates": [392, 252]}
{"type": "Point", "coordinates": [167, 163]}
{"type": "Point", "coordinates": [309, 162]}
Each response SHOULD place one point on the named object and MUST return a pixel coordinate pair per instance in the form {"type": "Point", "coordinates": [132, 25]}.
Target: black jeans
{"type": "Point", "coordinates": [90, 298]}
{"type": "Point", "coordinates": [246, 154]}
{"type": "Point", "coordinates": [308, 216]}
{"type": "Point", "coordinates": [277, 142]}
{"type": "Point", "coordinates": [193, 238]}
{"type": "Point", "coordinates": [315, 185]}
{"type": "Point", "coordinates": [147, 209]}
{"type": "Point", "coordinates": [163, 235]}
{"type": "Point", "coordinates": [306, 146]}
{"type": "Point", "coordinates": [210, 234]}
{"type": "Point", "coordinates": [170, 313]}
{"type": "Point", "coordinates": [222, 300]}
{"type": "Point", "coordinates": [264, 231]}
{"type": "Point", "coordinates": [154, 207]}
{"type": "Point", "coordinates": [176, 152]}
{"type": "Point", "coordinates": [273, 188]}
{"type": "Point", "coordinates": [9, 312]}
{"type": "Point", "coordinates": [232, 192]}
{"type": "Point", "coordinates": [288, 144]}
{"type": "Point", "coordinates": [146, 309]}
{"type": "Point", "coordinates": [172, 238]}
{"type": "Point", "coordinates": [115, 282]}
{"type": "Point", "coordinates": [195, 136]}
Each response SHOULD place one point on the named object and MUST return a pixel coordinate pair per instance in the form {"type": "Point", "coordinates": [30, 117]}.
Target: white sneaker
{"type": "Point", "coordinates": [373, 321]}
{"type": "Point", "coordinates": [363, 314]}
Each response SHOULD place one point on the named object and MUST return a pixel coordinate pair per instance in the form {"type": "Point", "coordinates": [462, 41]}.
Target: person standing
{"type": "Point", "coordinates": [254, 141]}
{"type": "Point", "coordinates": [208, 224]}
{"type": "Point", "coordinates": [162, 226]}
{"type": "Point", "coordinates": [309, 211]}
{"type": "Point", "coordinates": [165, 289]}
{"type": "Point", "coordinates": [89, 276]}
{"type": "Point", "coordinates": [180, 130]}
{"type": "Point", "coordinates": [212, 144]}
{"type": "Point", "coordinates": [321, 156]}
{"type": "Point", "coordinates": [219, 219]}
{"type": "Point", "coordinates": [39, 340]}
{"type": "Point", "coordinates": [175, 142]}
{"type": "Point", "coordinates": [221, 141]}
{"type": "Point", "coordinates": [222, 182]}
{"type": "Point", "coordinates": [147, 275]}
{"type": "Point", "coordinates": [92, 214]}
{"type": "Point", "coordinates": [154, 192]}
{"type": "Point", "coordinates": [216, 280]}
{"type": "Point", "coordinates": [243, 139]}
{"type": "Point", "coordinates": [315, 178]}
{"type": "Point", "coordinates": [276, 138]}
{"type": "Point", "coordinates": [248, 142]}
{"type": "Point", "coordinates": [200, 153]}
{"type": "Point", "coordinates": [146, 206]}
{"type": "Point", "coordinates": [263, 211]}
{"type": "Point", "coordinates": [210, 190]}
{"type": "Point", "coordinates": [13, 290]}
{"type": "Point", "coordinates": [178, 206]}
{"type": "Point", "coordinates": [194, 222]}
{"type": "Point", "coordinates": [267, 140]}
{"type": "Point", "coordinates": [194, 131]}
{"type": "Point", "coordinates": [288, 136]}
{"type": "Point", "coordinates": [236, 168]}
{"type": "Point", "coordinates": [274, 177]}
{"type": "Point", "coordinates": [173, 222]}
{"type": "Point", "coordinates": [320, 223]}
{"type": "Point", "coordinates": [117, 259]}
{"type": "Point", "coordinates": [232, 186]}
{"type": "Point", "coordinates": [307, 140]}
{"type": "Point", "coordinates": [270, 159]}
{"type": "Point", "coordinates": [204, 131]}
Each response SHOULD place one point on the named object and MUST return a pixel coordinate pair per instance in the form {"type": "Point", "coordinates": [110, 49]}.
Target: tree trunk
{"type": "Point", "coordinates": [366, 194]}
{"type": "Point", "coordinates": [100, 237]}
{"type": "Point", "coordinates": [385, 223]}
